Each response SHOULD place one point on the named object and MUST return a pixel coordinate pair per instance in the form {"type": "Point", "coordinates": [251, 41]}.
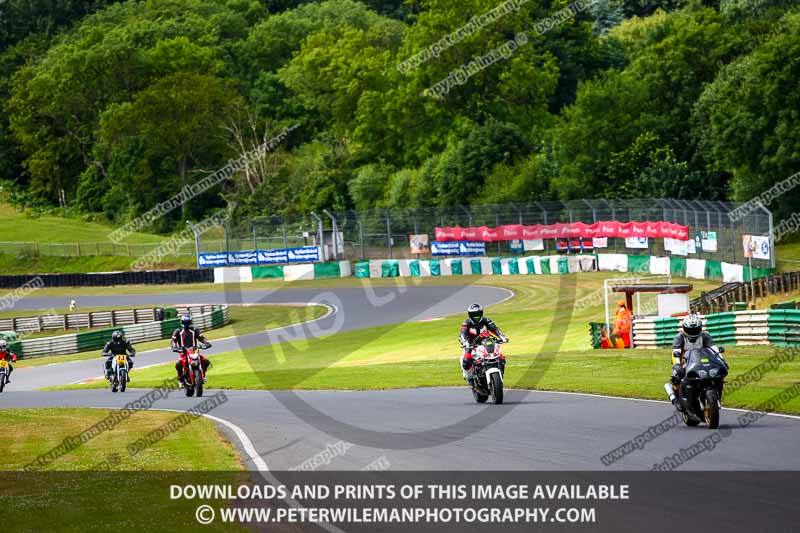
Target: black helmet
{"type": "Point", "coordinates": [692, 327]}
{"type": "Point", "coordinates": [186, 321]}
{"type": "Point", "coordinates": [116, 336]}
{"type": "Point", "coordinates": [475, 313]}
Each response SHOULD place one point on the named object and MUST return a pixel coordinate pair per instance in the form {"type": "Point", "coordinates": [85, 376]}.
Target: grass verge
{"type": "Point", "coordinates": [71, 495]}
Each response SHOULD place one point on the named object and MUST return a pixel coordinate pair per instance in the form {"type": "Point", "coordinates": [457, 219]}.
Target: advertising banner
{"type": "Point", "coordinates": [755, 246]}
{"type": "Point", "coordinates": [677, 247]}
{"type": "Point", "coordinates": [242, 258]}
{"type": "Point", "coordinates": [533, 245]}
{"type": "Point", "coordinates": [306, 254]}
{"type": "Point", "coordinates": [573, 230]}
{"type": "Point", "coordinates": [458, 248]}
{"type": "Point", "coordinates": [419, 244]}
{"type": "Point", "coordinates": [212, 260]}
{"type": "Point", "coordinates": [708, 240]}
{"type": "Point", "coordinates": [636, 242]}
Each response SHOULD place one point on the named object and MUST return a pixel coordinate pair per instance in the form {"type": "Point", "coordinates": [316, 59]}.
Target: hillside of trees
{"type": "Point", "coordinates": [120, 104]}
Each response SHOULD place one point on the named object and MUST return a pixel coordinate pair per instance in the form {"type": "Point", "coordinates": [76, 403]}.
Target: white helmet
{"type": "Point", "coordinates": [3, 345]}
{"type": "Point", "coordinates": [692, 326]}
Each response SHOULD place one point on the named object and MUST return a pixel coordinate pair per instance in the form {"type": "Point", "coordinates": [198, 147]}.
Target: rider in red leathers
{"type": "Point", "coordinates": [188, 337]}
{"type": "Point", "coordinates": [6, 354]}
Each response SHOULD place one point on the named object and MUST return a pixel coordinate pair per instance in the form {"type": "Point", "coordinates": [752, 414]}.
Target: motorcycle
{"type": "Point", "coordinates": [3, 374]}
{"type": "Point", "coordinates": [192, 371]}
{"type": "Point", "coordinates": [700, 391]}
{"type": "Point", "coordinates": [119, 373]}
{"type": "Point", "coordinates": [489, 365]}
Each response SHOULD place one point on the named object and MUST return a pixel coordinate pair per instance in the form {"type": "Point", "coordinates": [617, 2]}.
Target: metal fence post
{"type": "Point", "coordinates": [771, 235]}
{"type": "Point", "coordinates": [469, 214]}
{"type": "Point", "coordinates": [496, 224]}
{"type": "Point", "coordinates": [389, 235]}
{"type": "Point", "coordinates": [255, 239]}
{"type": "Point", "coordinates": [335, 234]}
{"type": "Point", "coordinates": [283, 230]}
{"type": "Point", "coordinates": [321, 240]}
{"type": "Point", "coordinates": [360, 234]}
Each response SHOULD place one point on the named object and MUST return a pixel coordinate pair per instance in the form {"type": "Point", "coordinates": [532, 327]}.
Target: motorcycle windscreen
{"type": "Point", "coordinates": [490, 347]}
{"type": "Point", "coordinates": [704, 360]}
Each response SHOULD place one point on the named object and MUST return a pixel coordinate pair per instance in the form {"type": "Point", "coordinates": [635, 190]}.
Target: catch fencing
{"type": "Point", "coordinates": [384, 233]}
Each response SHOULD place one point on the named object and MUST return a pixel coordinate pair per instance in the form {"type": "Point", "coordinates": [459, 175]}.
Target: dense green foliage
{"type": "Point", "coordinates": [120, 104]}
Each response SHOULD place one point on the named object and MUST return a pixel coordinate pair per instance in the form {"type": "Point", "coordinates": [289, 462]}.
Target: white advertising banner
{"type": "Point", "coordinates": [636, 242]}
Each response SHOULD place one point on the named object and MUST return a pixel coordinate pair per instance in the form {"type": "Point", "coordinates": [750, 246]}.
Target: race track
{"type": "Point", "coordinates": [420, 429]}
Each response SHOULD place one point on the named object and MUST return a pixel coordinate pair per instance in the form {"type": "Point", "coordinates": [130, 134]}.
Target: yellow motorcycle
{"type": "Point", "coordinates": [3, 374]}
{"type": "Point", "coordinates": [119, 373]}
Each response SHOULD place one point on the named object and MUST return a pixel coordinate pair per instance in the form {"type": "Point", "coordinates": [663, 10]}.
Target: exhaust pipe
{"type": "Point", "coordinates": [669, 391]}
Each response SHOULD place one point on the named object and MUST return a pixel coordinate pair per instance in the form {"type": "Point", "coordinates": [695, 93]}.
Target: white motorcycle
{"type": "Point", "coordinates": [489, 365]}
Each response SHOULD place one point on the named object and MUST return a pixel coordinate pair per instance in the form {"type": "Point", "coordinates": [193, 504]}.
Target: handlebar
{"type": "Point", "coordinates": [180, 349]}
{"type": "Point", "coordinates": [476, 342]}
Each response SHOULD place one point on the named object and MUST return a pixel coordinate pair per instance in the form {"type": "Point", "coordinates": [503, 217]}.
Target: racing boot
{"type": "Point", "coordinates": [671, 391]}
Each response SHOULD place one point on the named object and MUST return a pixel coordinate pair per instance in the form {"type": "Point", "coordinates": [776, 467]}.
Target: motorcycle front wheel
{"type": "Point", "coordinates": [198, 382]}
{"type": "Point", "coordinates": [2, 381]}
{"type": "Point", "coordinates": [711, 411]}
{"type": "Point", "coordinates": [123, 380]}
{"type": "Point", "coordinates": [497, 389]}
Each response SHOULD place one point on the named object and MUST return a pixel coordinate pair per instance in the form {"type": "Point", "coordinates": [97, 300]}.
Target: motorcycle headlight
{"type": "Point", "coordinates": [714, 372]}
{"type": "Point", "coordinates": [703, 374]}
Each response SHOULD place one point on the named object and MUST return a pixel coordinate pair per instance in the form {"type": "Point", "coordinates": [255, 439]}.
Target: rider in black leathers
{"type": "Point", "coordinates": [118, 345]}
{"type": "Point", "coordinates": [470, 331]}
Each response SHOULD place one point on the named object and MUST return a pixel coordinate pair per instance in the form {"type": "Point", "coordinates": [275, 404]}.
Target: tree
{"type": "Point", "coordinates": [747, 118]}
{"type": "Point", "coordinates": [179, 118]}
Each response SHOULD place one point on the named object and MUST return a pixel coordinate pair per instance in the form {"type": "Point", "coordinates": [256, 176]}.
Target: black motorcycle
{"type": "Point", "coordinates": [700, 391]}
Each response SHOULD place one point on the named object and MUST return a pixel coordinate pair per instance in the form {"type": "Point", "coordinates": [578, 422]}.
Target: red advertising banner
{"type": "Point", "coordinates": [575, 230]}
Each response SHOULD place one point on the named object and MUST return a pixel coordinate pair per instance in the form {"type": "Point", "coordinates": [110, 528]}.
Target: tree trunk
{"type": "Point", "coordinates": [182, 173]}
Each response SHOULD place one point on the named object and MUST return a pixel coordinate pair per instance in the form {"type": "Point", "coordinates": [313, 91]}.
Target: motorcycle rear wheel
{"type": "Point", "coordinates": [689, 421]}
{"type": "Point", "coordinates": [480, 398]}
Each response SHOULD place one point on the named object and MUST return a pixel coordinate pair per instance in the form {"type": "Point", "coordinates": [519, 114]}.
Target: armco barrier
{"type": "Point", "coordinates": [105, 279]}
{"type": "Point", "coordinates": [780, 327]}
{"type": "Point", "coordinates": [209, 317]}
{"type": "Point", "coordinates": [94, 319]}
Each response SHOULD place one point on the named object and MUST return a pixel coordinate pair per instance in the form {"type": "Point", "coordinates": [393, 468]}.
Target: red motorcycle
{"type": "Point", "coordinates": [192, 369]}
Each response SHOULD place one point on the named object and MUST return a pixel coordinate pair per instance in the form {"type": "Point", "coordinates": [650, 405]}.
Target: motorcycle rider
{"type": "Point", "coordinates": [690, 337]}
{"type": "Point", "coordinates": [186, 337]}
{"type": "Point", "coordinates": [470, 331]}
{"type": "Point", "coordinates": [6, 354]}
{"type": "Point", "coordinates": [118, 345]}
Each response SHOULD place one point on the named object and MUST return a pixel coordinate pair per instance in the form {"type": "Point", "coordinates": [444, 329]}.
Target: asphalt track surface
{"type": "Point", "coordinates": [417, 429]}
